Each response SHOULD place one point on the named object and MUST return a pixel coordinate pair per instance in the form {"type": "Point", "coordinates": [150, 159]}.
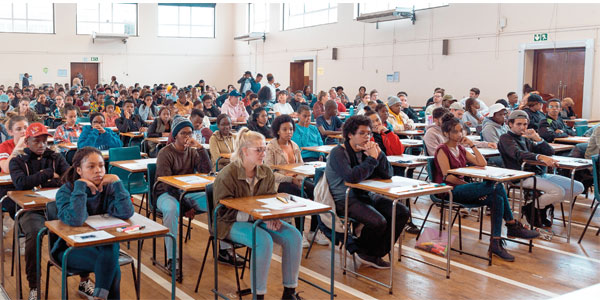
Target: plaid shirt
{"type": "Point", "coordinates": [66, 134]}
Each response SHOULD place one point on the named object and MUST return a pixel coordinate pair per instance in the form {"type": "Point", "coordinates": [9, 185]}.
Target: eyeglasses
{"type": "Point", "coordinates": [186, 133]}
{"type": "Point", "coordinates": [365, 133]}
{"type": "Point", "coordinates": [259, 149]}
{"type": "Point", "coordinates": [553, 106]}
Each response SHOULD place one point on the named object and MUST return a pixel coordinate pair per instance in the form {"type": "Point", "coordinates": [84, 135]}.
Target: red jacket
{"type": "Point", "coordinates": [391, 143]}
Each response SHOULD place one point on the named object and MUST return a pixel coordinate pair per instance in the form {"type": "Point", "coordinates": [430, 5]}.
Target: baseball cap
{"type": "Point", "coordinates": [36, 129]}
{"type": "Point", "coordinates": [535, 98]}
{"type": "Point", "coordinates": [457, 106]}
{"type": "Point", "coordinates": [496, 108]}
{"type": "Point", "coordinates": [234, 93]}
{"type": "Point", "coordinates": [4, 98]}
{"type": "Point", "coordinates": [518, 114]}
{"type": "Point", "coordinates": [448, 97]}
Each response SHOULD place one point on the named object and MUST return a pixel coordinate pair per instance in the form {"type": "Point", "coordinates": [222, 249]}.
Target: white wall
{"type": "Point", "coordinates": [146, 59]}
{"type": "Point", "coordinates": [480, 54]}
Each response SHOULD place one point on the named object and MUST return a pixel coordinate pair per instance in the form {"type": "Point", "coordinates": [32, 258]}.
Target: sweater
{"type": "Point", "coordinates": [29, 170]}
{"type": "Point", "coordinates": [433, 138]}
{"type": "Point", "coordinates": [264, 130]}
{"type": "Point", "coordinates": [514, 149]}
{"type": "Point", "coordinates": [307, 137]}
{"type": "Point", "coordinates": [491, 131]}
{"type": "Point", "coordinates": [92, 138]}
{"type": "Point", "coordinates": [535, 118]}
{"type": "Point", "coordinates": [593, 147]}
{"type": "Point", "coordinates": [276, 156]}
{"type": "Point", "coordinates": [171, 161]}
{"type": "Point", "coordinates": [220, 144]}
{"type": "Point", "coordinates": [134, 123]}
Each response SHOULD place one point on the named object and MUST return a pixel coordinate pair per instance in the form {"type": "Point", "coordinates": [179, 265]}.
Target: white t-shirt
{"type": "Point", "coordinates": [273, 90]}
{"type": "Point", "coordinates": [284, 109]}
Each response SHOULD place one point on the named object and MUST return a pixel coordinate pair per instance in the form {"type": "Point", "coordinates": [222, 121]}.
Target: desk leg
{"type": "Point", "coordinates": [345, 230]}
{"type": "Point", "coordinates": [571, 204]}
{"type": "Point", "coordinates": [139, 267]}
{"type": "Point", "coordinates": [64, 273]}
{"type": "Point", "coordinates": [173, 268]}
{"type": "Point", "coordinates": [180, 240]}
{"type": "Point", "coordinates": [393, 242]}
{"type": "Point", "coordinates": [17, 253]}
{"type": "Point", "coordinates": [2, 241]}
{"type": "Point", "coordinates": [332, 275]}
{"type": "Point", "coordinates": [253, 264]}
{"type": "Point", "coordinates": [38, 258]}
{"type": "Point", "coordinates": [449, 236]}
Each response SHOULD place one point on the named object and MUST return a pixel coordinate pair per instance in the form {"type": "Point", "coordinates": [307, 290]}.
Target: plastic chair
{"type": "Point", "coordinates": [212, 242]}
{"type": "Point", "coordinates": [52, 214]}
{"type": "Point", "coordinates": [596, 171]}
{"type": "Point", "coordinates": [133, 182]}
{"type": "Point", "coordinates": [580, 130]}
{"type": "Point", "coordinates": [82, 119]}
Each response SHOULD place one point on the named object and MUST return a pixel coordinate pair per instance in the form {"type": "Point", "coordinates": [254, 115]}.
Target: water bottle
{"type": "Point", "coordinates": [351, 110]}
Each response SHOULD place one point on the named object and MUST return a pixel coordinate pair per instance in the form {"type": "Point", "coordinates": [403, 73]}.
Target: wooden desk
{"type": "Point", "coordinates": [106, 154]}
{"type": "Point", "coordinates": [249, 206]}
{"type": "Point", "coordinates": [134, 166]}
{"type": "Point", "coordinates": [68, 146]}
{"type": "Point", "coordinates": [408, 161]}
{"type": "Point", "coordinates": [573, 165]}
{"type": "Point", "coordinates": [133, 134]}
{"type": "Point", "coordinates": [486, 152]}
{"type": "Point", "coordinates": [409, 143]}
{"type": "Point", "coordinates": [303, 169]}
{"type": "Point", "coordinates": [212, 119]}
{"type": "Point", "coordinates": [149, 121]}
{"type": "Point", "coordinates": [158, 140]}
{"type": "Point", "coordinates": [411, 132]}
{"type": "Point", "coordinates": [5, 179]}
{"type": "Point", "coordinates": [498, 175]}
{"type": "Point", "coordinates": [338, 136]}
{"type": "Point", "coordinates": [420, 125]}
{"type": "Point", "coordinates": [225, 155]}
{"type": "Point", "coordinates": [572, 140]}
{"type": "Point", "coordinates": [64, 231]}
{"type": "Point", "coordinates": [399, 188]}
{"type": "Point", "coordinates": [26, 201]}
{"type": "Point", "coordinates": [474, 138]}
{"type": "Point", "coordinates": [561, 147]}
{"type": "Point", "coordinates": [320, 149]}
{"type": "Point", "coordinates": [186, 188]}
{"type": "Point", "coordinates": [238, 123]}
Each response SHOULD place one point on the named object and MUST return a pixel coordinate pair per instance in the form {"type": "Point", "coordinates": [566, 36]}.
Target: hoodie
{"type": "Point", "coordinates": [491, 131]}
{"type": "Point", "coordinates": [433, 138]}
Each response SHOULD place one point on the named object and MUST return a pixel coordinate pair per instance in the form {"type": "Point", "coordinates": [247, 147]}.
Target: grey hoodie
{"type": "Point", "coordinates": [491, 131]}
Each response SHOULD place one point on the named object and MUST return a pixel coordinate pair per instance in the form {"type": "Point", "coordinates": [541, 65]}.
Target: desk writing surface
{"type": "Point", "coordinates": [64, 231]}
{"type": "Point", "coordinates": [492, 173]}
{"type": "Point", "coordinates": [133, 134]}
{"type": "Point", "coordinates": [561, 147]}
{"type": "Point", "coordinates": [174, 182]}
{"type": "Point", "coordinates": [249, 204]}
{"type": "Point", "coordinates": [306, 169]}
{"type": "Point", "coordinates": [419, 187]}
{"type": "Point", "coordinates": [5, 179]}
{"type": "Point", "coordinates": [572, 139]}
{"type": "Point", "coordinates": [135, 165]}
{"type": "Point", "coordinates": [486, 152]}
{"type": "Point", "coordinates": [408, 160]}
{"type": "Point", "coordinates": [569, 163]}
{"type": "Point", "coordinates": [408, 143]}
{"type": "Point", "coordinates": [411, 132]}
{"type": "Point", "coordinates": [321, 149]}
{"type": "Point", "coordinates": [28, 199]}
{"type": "Point", "coordinates": [158, 140]}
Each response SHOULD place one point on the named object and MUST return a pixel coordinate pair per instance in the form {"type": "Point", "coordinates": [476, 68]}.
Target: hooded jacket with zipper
{"type": "Point", "coordinates": [29, 170]}
{"type": "Point", "coordinates": [548, 127]}
{"type": "Point", "coordinates": [491, 131]}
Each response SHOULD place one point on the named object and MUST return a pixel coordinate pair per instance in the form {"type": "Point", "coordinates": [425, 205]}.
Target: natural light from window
{"type": "Point", "coordinates": [26, 17]}
{"type": "Point", "coordinates": [114, 18]}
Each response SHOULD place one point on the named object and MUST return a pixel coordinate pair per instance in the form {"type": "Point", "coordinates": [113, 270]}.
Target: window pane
{"type": "Point", "coordinates": [87, 12]}
{"type": "Point", "coordinates": [5, 25]}
{"type": "Point", "coordinates": [5, 10]}
{"type": "Point", "coordinates": [106, 28]}
{"type": "Point", "coordinates": [125, 13]}
{"type": "Point", "coordinates": [203, 16]}
{"type": "Point", "coordinates": [40, 11]}
{"type": "Point", "coordinates": [168, 14]}
{"type": "Point", "coordinates": [20, 26]}
{"type": "Point", "coordinates": [106, 18]}
{"type": "Point", "coordinates": [87, 28]}
{"type": "Point", "coordinates": [19, 10]}
{"type": "Point", "coordinates": [167, 30]}
{"type": "Point", "coordinates": [39, 26]}
{"type": "Point", "coordinates": [309, 14]}
{"type": "Point", "coordinates": [105, 13]}
{"type": "Point", "coordinates": [185, 21]}
{"type": "Point", "coordinates": [315, 5]}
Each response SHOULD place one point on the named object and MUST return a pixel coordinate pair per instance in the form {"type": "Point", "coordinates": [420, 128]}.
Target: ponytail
{"type": "Point", "coordinates": [71, 175]}
{"type": "Point", "coordinates": [245, 137]}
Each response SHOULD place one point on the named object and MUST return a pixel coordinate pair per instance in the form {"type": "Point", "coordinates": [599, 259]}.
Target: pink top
{"type": "Point", "coordinates": [234, 112]}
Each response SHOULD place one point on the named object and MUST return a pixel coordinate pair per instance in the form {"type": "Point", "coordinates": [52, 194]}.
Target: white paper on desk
{"type": "Point", "coordinates": [50, 194]}
{"type": "Point", "coordinates": [163, 138]}
{"type": "Point", "coordinates": [134, 166]}
{"type": "Point", "coordinates": [305, 169]}
{"type": "Point", "coordinates": [104, 152]}
{"type": "Point", "coordinates": [492, 173]}
{"type": "Point", "coordinates": [5, 178]}
{"type": "Point", "coordinates": [571, 161]}
{"type": "Point", "coordinates": [97, 236]}
{"type": "Point", "coordinates": [192, 179]}
{"type": "Point", "coordinates": [315, 164]}
{"type": "Point", "coordinates": [104, 221]}
{"type": "Point", "coordinates": [146, 161]}
{"type": "Point", "coordinates": [324, 148]}
{"type": "Point", "coordinates": [397, 181]}
{"type": "Point", "coordinates": [275, 204]}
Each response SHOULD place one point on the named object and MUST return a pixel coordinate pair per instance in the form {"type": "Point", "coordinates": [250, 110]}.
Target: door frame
{"type": "Point", "coordinates": [314, 59]}
{"type": "Point", "coordinates": [588, 44]}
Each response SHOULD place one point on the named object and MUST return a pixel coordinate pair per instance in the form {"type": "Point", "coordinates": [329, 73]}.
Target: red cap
{"type": "Point", "coordinates": [36, 129]}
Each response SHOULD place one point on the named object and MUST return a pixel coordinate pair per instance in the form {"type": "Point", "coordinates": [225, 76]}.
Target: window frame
{"type": "Point", "coordinates": [357, 8]}
{"type": "Point", "coordinates": [191, 5]}
{"type": "Point", "coordinates": [137, 19]}
{"type": "Point", "coordinates": [27, 20]}
{"type": "Point", "coordinates": [284, 17]}
{"type": "Point", "coordinates": [250, 20]}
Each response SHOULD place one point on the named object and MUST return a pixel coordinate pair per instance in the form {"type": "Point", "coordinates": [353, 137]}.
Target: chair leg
{"type": "Point", "coordinates": [246, 260]}
{"type": "Point", "coordinates": [141, 204]}
{"type": "Point", "coordinates": [137, 291]}
{"type": "Point", "coordinates": [312, 242]}
{"type": "Point", "coordinates": [424, 221]}
{"type": "Point", "coordinates": [459, 231]}
{"type": "Point", "coordinates": [47, 279]}
{"type": "Point", "coordinates": [237, 277]}
{"type": "Point", "coordinates": [562, 210]}
{"type": "Point", "coordinates": [442, 218]}
{"type": "Point", "coordinates": [188, 231]}
{"type": "Point", "coordinates": [480, 223]}
{"type": "Point", "coordinates": [210, 240]}
{"type": "Point", "coordinates": [588, 223]}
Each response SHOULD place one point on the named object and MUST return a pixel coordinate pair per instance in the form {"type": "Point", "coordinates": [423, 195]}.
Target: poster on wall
{"type": "Point", "coordinates": [62, 73]}
{"type": "Point", "coordinates": [390, 77]}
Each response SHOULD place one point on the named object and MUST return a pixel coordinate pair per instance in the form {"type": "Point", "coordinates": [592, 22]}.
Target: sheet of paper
{"type": "Point", "coordinates": [275, 204]}
{"type": "Point", "coordinates": [104, 221]}
{"type": "Point", "coordinates": [5, 178]}
{"type": "Point", "coordinates": [489, 172]}
{"type": "Point", "coordinates": [91, 236]}
{"type": "Point", "coordinates": [571, 161]}
{"type": "Point", "coordinates": [397, 181]}
{"type": "Point", "coordinates": [134, 166]}
{"type": "Point", "coordinates": [50, 194]}
{"type": "Point", "coordinates": [192, 179]}
{"type": "Point", "coordinates": [305, 169]}
{"type": "Point", "coordinates": [146, 161]}
{"type": "Point", "coordinates": [324, 148]}
{"type": "Point", "coordinates": [316, 164]}
{"type": "Point", "coordinates": [163, 138]}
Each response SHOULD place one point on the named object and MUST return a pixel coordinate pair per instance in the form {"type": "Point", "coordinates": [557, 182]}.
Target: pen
{"type": "Point", "coordinates": [292, 198]}
{"type": "Point", "coordinates": [89, 236]}
{"type": "Point", "coordinates": [30, 195]}
{"type": "Point", "coordinates": [281, 199]}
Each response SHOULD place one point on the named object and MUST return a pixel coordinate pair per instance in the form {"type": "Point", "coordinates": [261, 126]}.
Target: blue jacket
{"type": "Point", "coordinates": [255, 86]}
{"type": "Point", "coordinates": [92, 137]}
{"type": "Point", "coordinates": [307, 137]}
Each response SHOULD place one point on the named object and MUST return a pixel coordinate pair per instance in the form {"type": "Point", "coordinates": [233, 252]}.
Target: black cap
{"type": "Point", "coordinates": [535, 98]}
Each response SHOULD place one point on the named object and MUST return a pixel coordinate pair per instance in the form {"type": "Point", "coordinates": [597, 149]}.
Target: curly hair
{"type": "Point", "coordinates": [279, 121]}
{"type": "Point", "coordinates": [351, 125]}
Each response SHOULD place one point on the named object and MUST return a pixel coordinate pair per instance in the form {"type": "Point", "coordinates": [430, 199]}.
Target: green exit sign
{"type": "Point", "coordinates": [94, 58]}
{"type": "Point", "coordinates": [538, 37]}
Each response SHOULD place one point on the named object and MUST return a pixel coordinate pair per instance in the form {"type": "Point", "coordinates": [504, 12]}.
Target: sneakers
{"type": "Point", "coordinates": [305, 242]}
{"type": "Point", "coordinates": [535, 218]}
{"type": "Point", "coordinates": [226, 257]}
{"type": "Point", "coordinates": [320, 239]}
{"type": "Point", "coordinates": [371, 261]}
{"type": "Point", "coordinates": [86, 289]}
{"type": "Point", "coordinates": [518, 230]}
{"type": "Point", "coordinates": [33, 294]}
{"type": "Point", "coordinates": [411, 228]}
{"type": "Point", "coordinates": [170, 267]}
{"type": "Point", "coordinates": [295, 296]}
{"type": "Point", "coordinates": [497, 248]}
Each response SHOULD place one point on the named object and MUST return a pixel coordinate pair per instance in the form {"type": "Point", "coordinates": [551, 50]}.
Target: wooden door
{"type": "Point", "coordinates": [559, 73]}
{"type": "Point", "coordinates": [297, 75]}
{"type": "Point", "coordinates": [89, 72]}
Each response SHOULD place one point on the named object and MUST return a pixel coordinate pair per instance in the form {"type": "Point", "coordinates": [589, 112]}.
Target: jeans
{"type": "Point", "coordinates": [30, 223]}
{"type": "Point", "coordinates": [556, 188]}
{"type": "Point", "coordinates": [104, 262]}
{"type": "Point", "coordinates": [287, 236]}
{"type": "Point", "coordinates": [169, 207]}
{"type": "Point", "coordinates": [495, 198]}
{"type": "Point", "coordinates": [376, 214]}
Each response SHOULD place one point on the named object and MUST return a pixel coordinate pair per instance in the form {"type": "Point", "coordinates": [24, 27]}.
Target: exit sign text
{"type": "Point", "coordinates": [538, 37]}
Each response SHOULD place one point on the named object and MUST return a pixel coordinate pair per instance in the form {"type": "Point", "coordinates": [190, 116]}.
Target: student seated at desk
{"type": "Point", "coordinates": [399, 120]}
{"type": "Point", "coordinates": [97, 135]}
{"type": "Point", "coordinates": [209, 108]}
{"type": "Point", "coordinates": [248, 176]}
{"type": "Point", "coordinates": [24, 110]}
{"type": "Point", "coordinates": [16, 127]}
{"type": "Point", "coordinates": [553, 126]}
{"type": "Point", "coordinates": [88, 191]}
{"type": "Point", "coordinates": [221, 142]}
{"type": "Point", "coordinates": [307, 135]}
{"type": "Point", "coordinates": [356, 160]}
{"type": "Point", "coordinates": [521, 144]}
{"type": "Point", "coordinates": [329, 123]}
{"type": "Point", "coordinates": [183, 156]}
{"type": "Point", "coordinates": [68, 132]}
{"type": "Point", "coordinates": [129, 121]}
{"type": "Point", "coordinates": [160, 127]}
{"type": "Point", "coordinates": [319, 106]}
{"type": "Point", "coordinates": [258, 123]}
{"type": "Point", "coordinates": [452, 155]}
{"type": "Point", "coordinates": [43, 105]}
{"type": "Point", "coordinates": [282, 106]}
{"type": "Point", "coordinates": [593, 147]}
{"type": "Point", "coordinates": [235, 108]}
{"type": "Point", "coordinates": [111, 113]}
{"type": "Point", "coordinates": [147, 110]}
{"type": "Point", "coordinates": [34, 167]}
{"type": "Point", "coordinates": [282, 151]}
{"type": "Point", "coordinates": [202, 132]}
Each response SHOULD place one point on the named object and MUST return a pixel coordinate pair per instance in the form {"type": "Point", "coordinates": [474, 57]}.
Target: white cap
{"type": "Point", "coordinates": [495, 108]}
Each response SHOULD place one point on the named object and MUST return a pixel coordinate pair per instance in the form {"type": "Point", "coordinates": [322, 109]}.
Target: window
{"type": "Point", "coordinates": [258, 17]}
{"type": "Point", "coordinates": [186, 20]}
{"type": "Point", "coordinates": [374, 6]}
{"type": "Point", "coordinates": [298, 15]}
{"type": "Point", "coordinates": [27, 17]}
{"type": "Point", "coordinates": [106, 18]}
